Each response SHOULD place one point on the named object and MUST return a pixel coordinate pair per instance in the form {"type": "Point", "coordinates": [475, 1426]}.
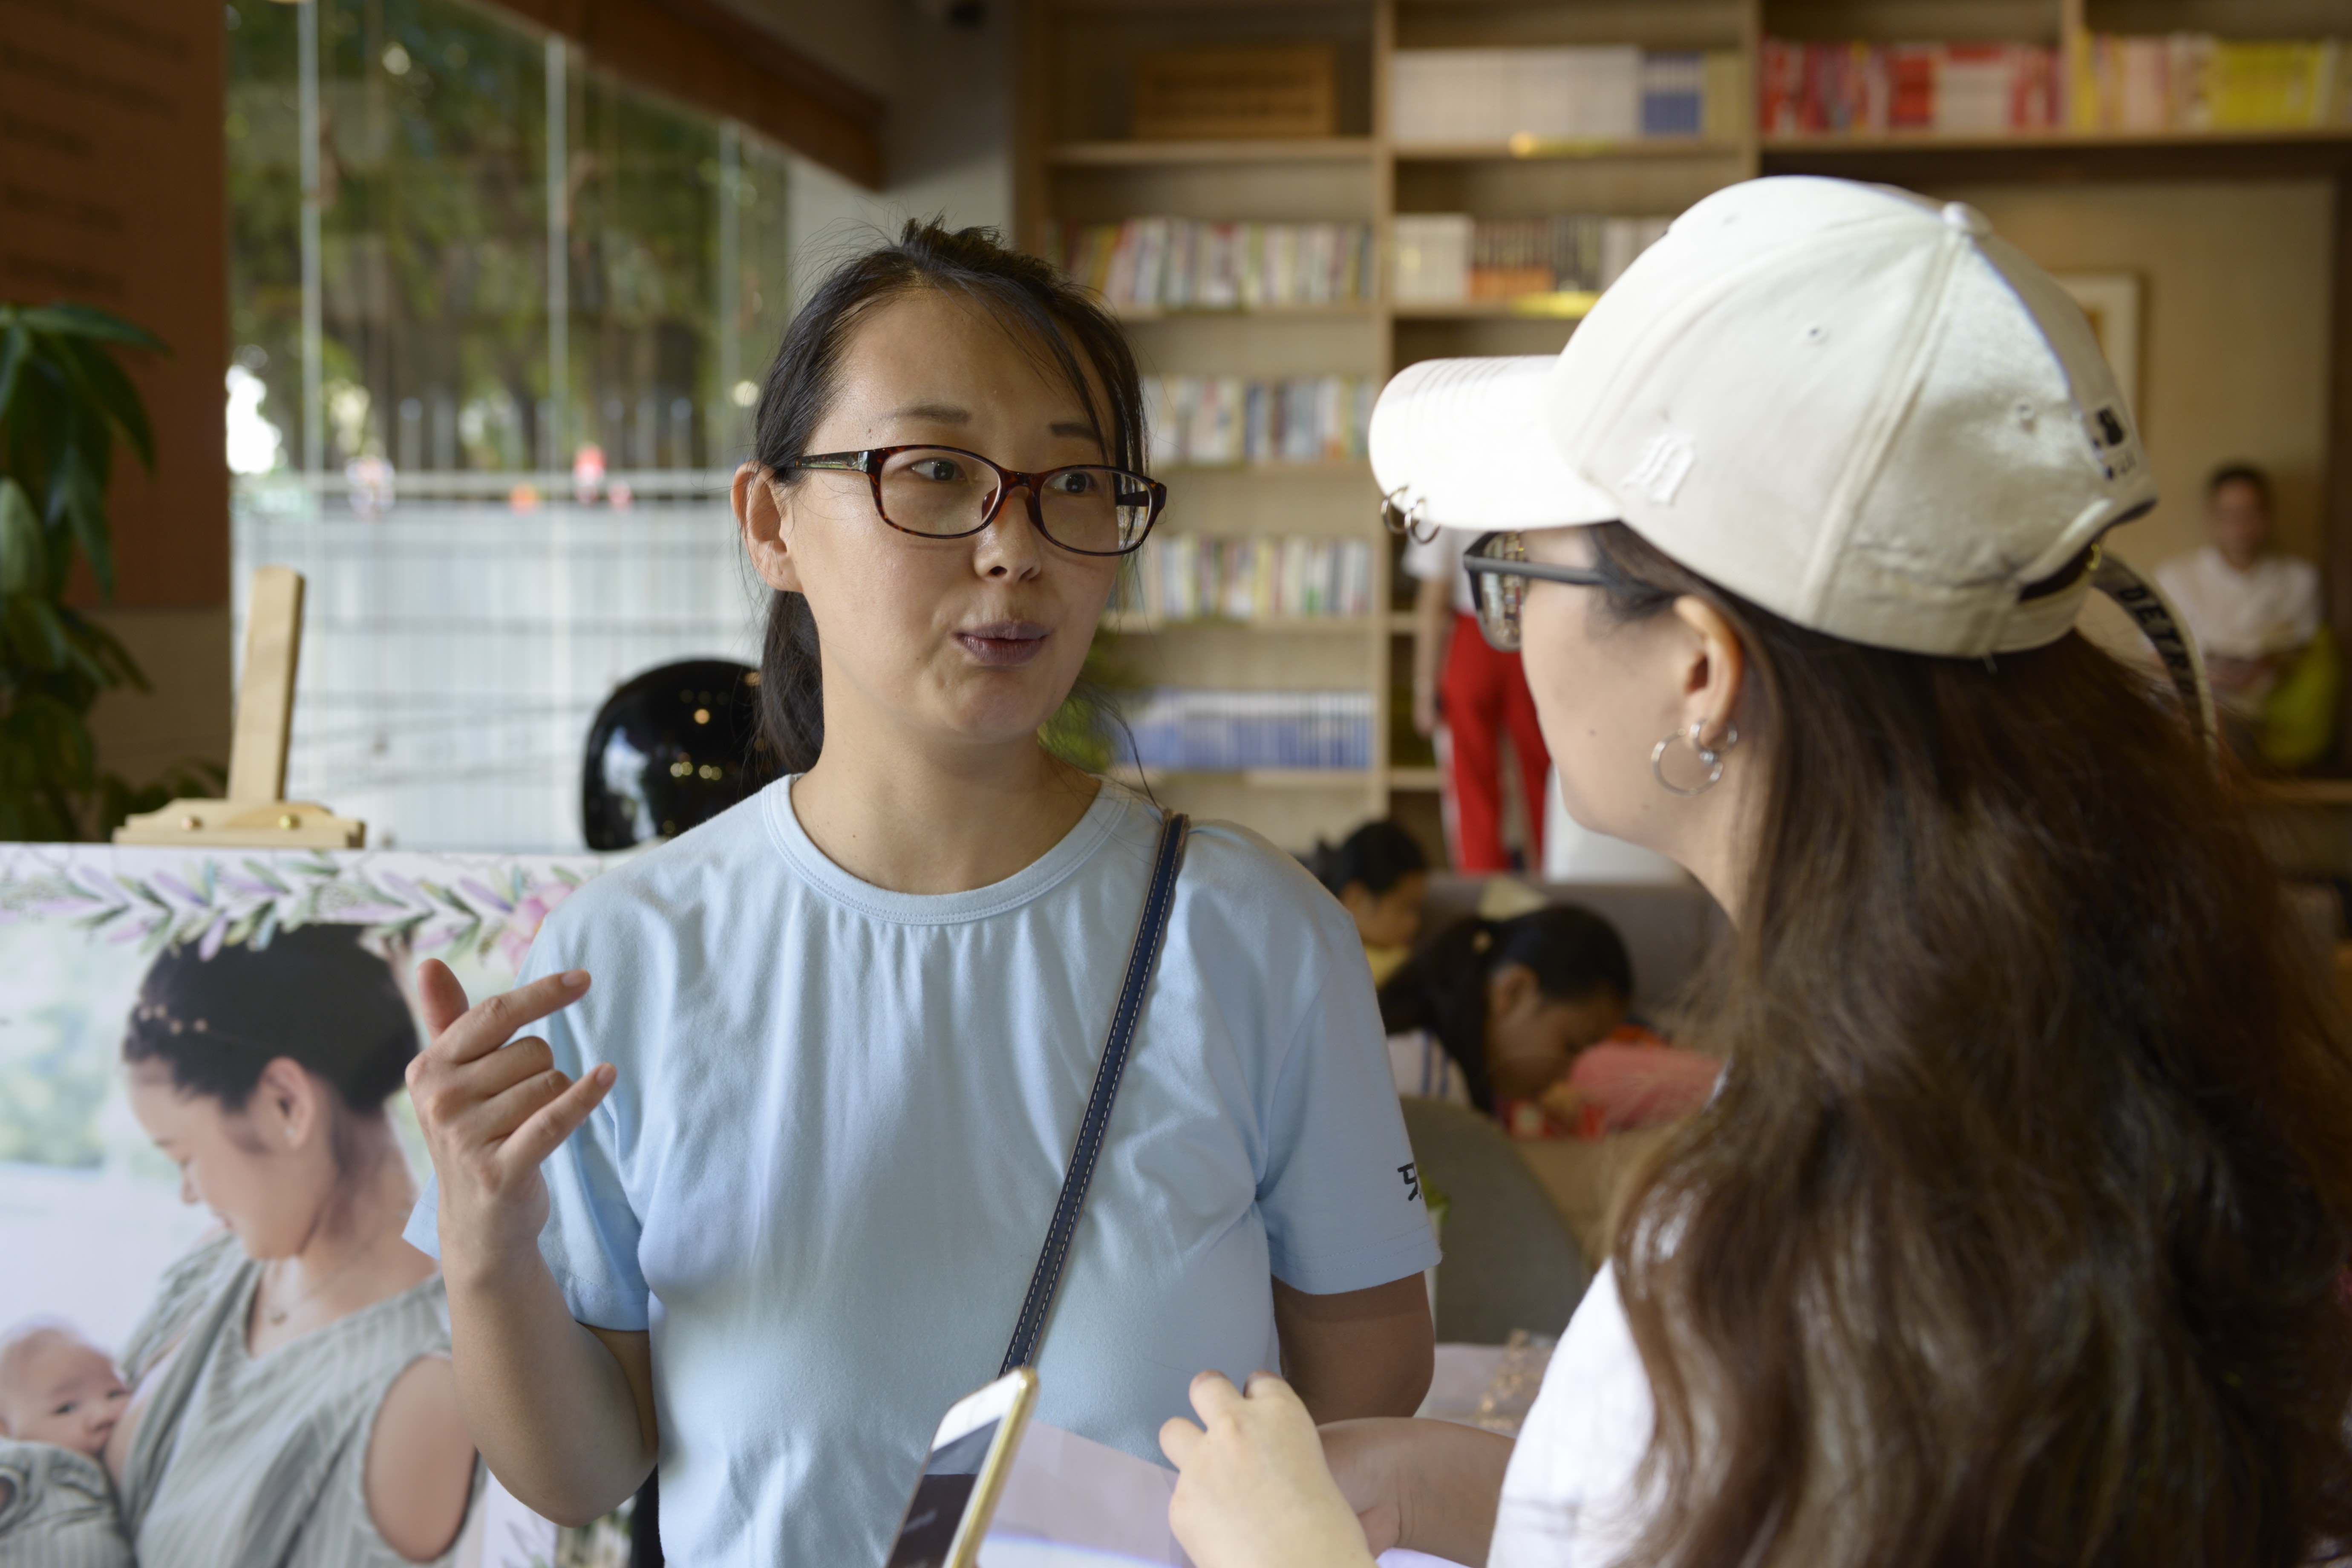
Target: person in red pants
{"type": "Point", "coordinates": [1466, 695]}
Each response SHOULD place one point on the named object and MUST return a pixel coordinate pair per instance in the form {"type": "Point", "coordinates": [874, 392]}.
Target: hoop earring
{"type": "Point", "coordinates": [1710, 757]}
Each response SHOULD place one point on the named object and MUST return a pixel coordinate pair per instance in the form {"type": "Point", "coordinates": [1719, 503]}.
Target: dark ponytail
{"type": "Point", "coordinates": [1047, 312]}
{"type": "Point", "coordinates": [1572, 952]}
{"type": "Point", "coordinates": [1379, 855]}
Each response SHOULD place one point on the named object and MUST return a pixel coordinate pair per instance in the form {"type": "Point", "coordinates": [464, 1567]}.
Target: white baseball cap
{"type": "Point", "coordinates": [1853, 406]}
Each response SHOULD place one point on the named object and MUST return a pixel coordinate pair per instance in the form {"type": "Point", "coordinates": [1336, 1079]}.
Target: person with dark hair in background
{"type": "Point", "coordinates": [763, 1204]}
{"type": "Point", "coordinates": [1527, 1019]}
{"type": "Point", "coordinates": [1380, 875]}
{"type": "Point", "coordinates": [2255, 614]}
{"type": "Point", "coordinates": [292, 1401]}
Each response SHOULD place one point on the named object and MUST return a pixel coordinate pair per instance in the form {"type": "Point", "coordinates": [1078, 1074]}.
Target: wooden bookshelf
{"type": "Point", "coordinates": [1074, 166]}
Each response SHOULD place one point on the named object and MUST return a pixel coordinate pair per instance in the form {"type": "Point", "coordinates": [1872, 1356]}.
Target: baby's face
{"type": "Point", "coordinates": [55, 1388]}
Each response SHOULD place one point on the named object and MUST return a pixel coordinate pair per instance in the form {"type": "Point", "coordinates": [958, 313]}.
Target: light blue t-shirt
{"type": "Point", "coordinates": [842, 1118]}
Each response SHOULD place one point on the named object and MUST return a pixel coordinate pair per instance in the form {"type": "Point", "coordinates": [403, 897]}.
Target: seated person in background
{"type": "Point", "coordinates": [59, 1399]}
{"type": "Point", "coordinates": [2255, 614]}
{"type": "Point", "coordinates": [1379, 876]}
{"type": "Point", "coordinates": [1502, 1014]}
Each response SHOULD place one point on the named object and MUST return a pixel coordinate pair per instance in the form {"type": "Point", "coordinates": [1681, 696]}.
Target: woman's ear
{"type": "Point", "coordinates": [763, 514]}
{"type": "Point", "coordinates": [285, 1106]}
{"type": "Point", "coordinates": [1714, 671]}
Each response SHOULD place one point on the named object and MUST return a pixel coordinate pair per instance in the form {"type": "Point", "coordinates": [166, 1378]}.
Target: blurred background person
{"type": "Point", "coordinates": [2254, 611]}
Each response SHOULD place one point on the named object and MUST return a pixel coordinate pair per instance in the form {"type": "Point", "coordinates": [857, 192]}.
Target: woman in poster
{"type": "Point", "coordinates": [292, 1402]}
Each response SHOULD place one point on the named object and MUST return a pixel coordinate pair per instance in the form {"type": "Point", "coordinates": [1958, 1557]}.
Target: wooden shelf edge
{"type": "Point", "coordinates": [1352, 467]}
{"type": "Point", "coordinates": [1344, 310]}
{"type": "Point", "coordinates": [1254, 778]}
{"type": "Point", "coordinates": [1568, 305]}
{"type": "Point", "coordinates": [1537, 150]}
{"type": "Point", "coordinates": [1130, 625]}
{"type": "Point", "coordinates": [1929, 141]}
{"type": "Point", "coordinates": [1131, 153]}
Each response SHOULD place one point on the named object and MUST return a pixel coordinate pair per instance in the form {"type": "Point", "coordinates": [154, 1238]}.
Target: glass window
{"type": "Point", "coordinates": [504, 480]}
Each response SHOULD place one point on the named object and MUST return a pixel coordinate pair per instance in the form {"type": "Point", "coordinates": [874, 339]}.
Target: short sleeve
{"type": "Point", "coordinates": [589, 1241]}
{"type": "Point", "coordinates": [1340, 1195]}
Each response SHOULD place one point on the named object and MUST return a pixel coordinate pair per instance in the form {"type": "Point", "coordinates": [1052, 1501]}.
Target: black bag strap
{"type": "Point", "coordinates": [1030, 1328]}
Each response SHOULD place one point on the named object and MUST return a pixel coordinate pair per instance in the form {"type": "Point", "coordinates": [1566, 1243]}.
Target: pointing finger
{"type": "Point", "coordinates": [490, 1023]}
{"type": "Point", "coordinates": [439, 997]}
{"type": "Point", "coordinates": [536, 1139]}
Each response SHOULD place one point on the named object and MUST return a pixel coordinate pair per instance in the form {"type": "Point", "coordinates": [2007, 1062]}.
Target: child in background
{"type": "Point", "coordinates": [1379, 876]}
{"type": "Point", "coordinates": [1527, 1019]}
{"type": "Point", "coordinates": [59, 1399]}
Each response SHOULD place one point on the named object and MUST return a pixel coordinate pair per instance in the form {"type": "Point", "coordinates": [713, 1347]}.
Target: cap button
{"type": "Point", "coordinates": [1967, 219]}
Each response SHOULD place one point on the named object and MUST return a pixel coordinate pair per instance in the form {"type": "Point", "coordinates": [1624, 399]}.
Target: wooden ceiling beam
{"type": "Point", "coordinates": [700, 53]}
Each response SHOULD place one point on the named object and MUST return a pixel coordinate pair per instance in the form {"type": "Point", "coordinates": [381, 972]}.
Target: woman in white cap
{"type": "Point", "coordinates": [2016, 1233]}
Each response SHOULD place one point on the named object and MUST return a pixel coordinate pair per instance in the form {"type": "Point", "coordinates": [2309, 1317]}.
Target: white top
{"type": "Point", "coordinates": [822, 1177]}
{"type": "Point", "coordinates": [2272, 607]}
{"type": "Point", "coordinates": [1439, 560]}
{"type": "Point", "coordinates": [1569, 1499]}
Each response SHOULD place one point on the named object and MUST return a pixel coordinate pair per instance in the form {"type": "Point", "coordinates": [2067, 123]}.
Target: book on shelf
{"type": "Point", "coordinates": [1218, 731]}
{"type": "Point", "coordinates": [1604, 93]}
{"type": "Point", "coordinates": [1950, 89]}
{"type": "Point", "coordinates": [2195, 81]}
{"type": "Point", "coordinates": [1179, 264]}
{"type": "Point", "coordinates": [1450, 257]}
{"type": "Point", "coordinates": [1194, 577]}
{"type": "Point", "coordinates": [1219, 421]}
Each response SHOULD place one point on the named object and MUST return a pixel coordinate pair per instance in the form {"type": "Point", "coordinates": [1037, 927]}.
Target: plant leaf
{"type": "Point", "coordinates": [89, 321]}
{"type": "Point", "coordinates": [24, 558]}
{"type": "Point", "coordinates": [34, 632]}
{"type": "Point", "coordinates": [15, 344]}
{"type": "Point", "coordinates": [105, 649]}
{"type": "Point", "coordinates": [111, 389]}
{"type": "Point", "coordinates": [84, 508]}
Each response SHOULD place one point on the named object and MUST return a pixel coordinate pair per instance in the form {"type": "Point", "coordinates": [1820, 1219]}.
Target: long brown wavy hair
{"type": "Point", "coordinates": [2016, 1235]}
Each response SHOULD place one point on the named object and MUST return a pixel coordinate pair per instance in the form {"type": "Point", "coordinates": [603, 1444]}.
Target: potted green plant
{"type": "Point", "coordinates": [64, 402]}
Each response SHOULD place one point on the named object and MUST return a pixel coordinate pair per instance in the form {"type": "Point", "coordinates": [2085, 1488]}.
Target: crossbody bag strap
{"type": "Point", "coordinates": [1030, 1328]}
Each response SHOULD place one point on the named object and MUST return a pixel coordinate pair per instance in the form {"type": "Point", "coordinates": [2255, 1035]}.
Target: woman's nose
{"type": "Point", "coordinates": [1012, 546]}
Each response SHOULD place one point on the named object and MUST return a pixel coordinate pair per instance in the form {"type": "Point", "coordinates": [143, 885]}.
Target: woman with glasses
{"type": "Point", "coordinates": [2017, 1231]}
{"type": "Point", "coordinates": [763, 1203]}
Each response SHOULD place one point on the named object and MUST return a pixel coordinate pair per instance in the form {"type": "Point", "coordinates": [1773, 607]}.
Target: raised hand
{"type": "Point", "coordinates": [1252, 1489]}
{"type": "Point", "coordinates": [491, 1112]}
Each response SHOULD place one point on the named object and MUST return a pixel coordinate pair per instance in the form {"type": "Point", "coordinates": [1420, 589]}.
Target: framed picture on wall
{"type": "Point", "coordinates": [2111, 299]}
{"type": "Point", "coordinates": [190, 962]}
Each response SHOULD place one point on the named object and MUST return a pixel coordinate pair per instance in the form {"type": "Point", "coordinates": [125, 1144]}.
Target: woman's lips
{"type": "Point", "coordinates": [1003, 645]}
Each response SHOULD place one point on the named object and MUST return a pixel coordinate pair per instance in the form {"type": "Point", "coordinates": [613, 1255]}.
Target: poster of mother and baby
{"type": "Point", "coordinates": [201, 1067]}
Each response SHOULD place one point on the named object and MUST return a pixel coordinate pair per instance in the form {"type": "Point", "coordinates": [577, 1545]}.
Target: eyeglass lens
{"type": "Point", "coordinates": [1501, 593]}
{"type": "Point", "coordinates": [938, 491]}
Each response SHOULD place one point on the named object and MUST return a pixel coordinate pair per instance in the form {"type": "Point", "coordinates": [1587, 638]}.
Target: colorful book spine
{"type": "Point", "coordinates": [1841, 88]}
{"type": "Point", "coordinates": [1224, 421]}
{"type": "Point", "coordinates": [1213, 731]}
{"type": "Point", "coordinates": [1605, 93]}
{"type": "Point", "coordinates": [1181, 577]}
{"type": "Point", "coordinates": [1177, 264]}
